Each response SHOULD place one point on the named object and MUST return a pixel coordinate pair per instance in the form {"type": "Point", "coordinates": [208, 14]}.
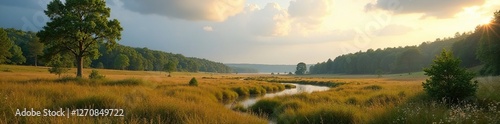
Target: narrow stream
{"type": "Point", "coordinates": [300, 88]}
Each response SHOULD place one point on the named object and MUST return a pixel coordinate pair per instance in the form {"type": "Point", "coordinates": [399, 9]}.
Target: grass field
{"type": "Point", "coordinates": [152, 97]}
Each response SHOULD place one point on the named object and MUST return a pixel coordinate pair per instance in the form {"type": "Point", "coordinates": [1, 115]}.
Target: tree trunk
{"type": "Point", "coordinates": [79, 65]}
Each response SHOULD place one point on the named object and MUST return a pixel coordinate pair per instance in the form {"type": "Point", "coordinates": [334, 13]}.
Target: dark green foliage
{"type": "Point", "coordinates": [35, 49]}
{"type": "Point", "coordinates": [193, 82]}
{"type": "Point", "coordinates": [448, 80]}
{"type": "Point", "coordinates": [153, 60]}
{"type": "Point", "coordinates": [99, 65]}
{"type": "Point", "coordinates": [95, 75]}
{"type": "Point", "coordinates": [5, 45]}
{"type": "Point", "coordinates": [78, 27]}
{"type": "Point", "coordinates": [170, 67]}
{"type": "Point", "coordinates": [301, 69]}
{"type": "Point", "coordinates": [59, 65]}
{"type": "Point", "coordinates": [17, 55]}
{"type": "Point", "coordinates": [466, 49]}
{"type": "Point", "coordinates": [388, 60]}
{"type": "Point", "coordinates": [121, 62]}
{"type": "Point", "coordinates": [489, 46]}
{"type": "Point", "coordinates": [139, 58]}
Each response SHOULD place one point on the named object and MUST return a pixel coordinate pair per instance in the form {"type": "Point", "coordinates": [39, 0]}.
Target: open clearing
{"type": "Point", "coordinates": [152, 97]}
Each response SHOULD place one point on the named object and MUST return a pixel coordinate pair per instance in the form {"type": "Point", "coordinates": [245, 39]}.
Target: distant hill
{"type": "Point", "coordinates": [264, 68]}
{"type": "Point", "coordinates": [139, 59]}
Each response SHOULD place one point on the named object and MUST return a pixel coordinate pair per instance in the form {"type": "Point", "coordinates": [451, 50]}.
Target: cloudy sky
{"type": "Point", "coordinates": [273, 31]}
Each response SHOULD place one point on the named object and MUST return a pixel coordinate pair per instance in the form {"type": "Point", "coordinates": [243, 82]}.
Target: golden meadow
{"type": "Point", "coordinates": [152, 97]}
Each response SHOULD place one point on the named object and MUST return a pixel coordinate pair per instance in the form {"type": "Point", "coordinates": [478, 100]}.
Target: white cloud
{"type": "Point", "coordinates": [434, 8]}
{"type": "Point", "coordinates": [270, 21]}
{"type": "Point", "coordinates": [206, 10]}
{"type": "Point", "coordinates": [309, 14]}
{"type": "Point", "coordinates": [208, 28]}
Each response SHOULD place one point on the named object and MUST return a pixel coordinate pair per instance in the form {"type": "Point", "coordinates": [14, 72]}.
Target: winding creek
{"type": "Point", "coordinates": [300, 88]}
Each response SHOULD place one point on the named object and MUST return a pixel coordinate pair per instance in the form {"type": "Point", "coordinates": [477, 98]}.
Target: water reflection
{"type": "Point", "coordinates": [300, 88]}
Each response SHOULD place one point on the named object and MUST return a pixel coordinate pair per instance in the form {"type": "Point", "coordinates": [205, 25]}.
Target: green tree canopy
{"type": "Point", "coordinates": [78, 27]}
{"type": "Point", "coordinates": [35, 48]}
{"type": "Point", "coordinates": [59, 64]}
{"type": "Point", "coordinates": [121, 62]}
{"type": "Point", "coordinates": [448, 80]}
{"type": "Point", "coordinates": [17, 55]}
{"type": "Point", "coordinates": [301, 69]}
{"type": "Point", "coordinates": [5, 45]}
{"type": "Point", "coordinates": [170, 66]}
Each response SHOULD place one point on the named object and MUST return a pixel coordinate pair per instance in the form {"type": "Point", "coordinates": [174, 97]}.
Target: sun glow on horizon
{"type": "Point", "coordinates": [485, 21]}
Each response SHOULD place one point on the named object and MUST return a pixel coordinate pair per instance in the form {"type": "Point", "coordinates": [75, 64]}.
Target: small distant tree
{"type": "Point", "coordinates": [301, 69]}
{"type": "Point", "coordinates": [5, 45]}
{"type": "Point", "coordinates": [121, 62]}
{"type": "Point", "coordinates": [448, 80]}
{"type": "Point", "coordinates": [170, 67]}
{"type": "Point", "coordinates": [193, 82]}
{"type": "Point", "coordinates": [95, 75]}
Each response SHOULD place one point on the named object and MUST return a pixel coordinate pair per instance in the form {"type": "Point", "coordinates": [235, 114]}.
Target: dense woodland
{"type": "Point", "coordinates": [472, 48]}
{"type": "Point", "coordinates": [26, 49]}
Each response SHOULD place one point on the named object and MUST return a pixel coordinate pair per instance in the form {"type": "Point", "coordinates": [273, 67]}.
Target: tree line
{"type": "Point", "coordinates": [25, 48]}
{"type": "Point", "coordinates": [480, 47]}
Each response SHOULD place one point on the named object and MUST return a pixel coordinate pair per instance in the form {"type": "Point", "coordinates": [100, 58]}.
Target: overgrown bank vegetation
{"type": "Point", "coordinates": [381, 101]}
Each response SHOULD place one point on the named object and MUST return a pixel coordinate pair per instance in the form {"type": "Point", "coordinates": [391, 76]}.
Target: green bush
{"type": "Point", "coordinates": [95, 75]}
{"type": "Point", "coordinates": [193, 82]}
{"type": "Point", "coordinates": [448, 80]}
{"type": "Point", "coordinates": [289, 86]}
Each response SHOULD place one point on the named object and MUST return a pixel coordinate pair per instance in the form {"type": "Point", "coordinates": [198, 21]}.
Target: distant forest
{"type": "Point", "coordinates": [120, 57]}
{"type": "Point", "coordinates": [464, 46]}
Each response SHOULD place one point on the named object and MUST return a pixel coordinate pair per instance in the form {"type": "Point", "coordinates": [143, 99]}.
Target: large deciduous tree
{"type": "Point", "coordinates": [79, 27]}
{"type": "Point", "coordinates": [5, 45]}
{"type": "Point", "coordinates": [301, 69]}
